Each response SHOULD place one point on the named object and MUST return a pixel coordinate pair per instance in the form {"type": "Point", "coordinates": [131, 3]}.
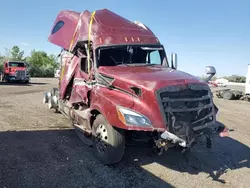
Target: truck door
{"type": "Point", "coordinates": [68, 66]}
{"type": "Point", "coordinates": [81, 86]}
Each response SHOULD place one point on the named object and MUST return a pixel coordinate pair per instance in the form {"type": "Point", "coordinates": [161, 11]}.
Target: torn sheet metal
{"type": "Point", "coordinates": [107, 28]}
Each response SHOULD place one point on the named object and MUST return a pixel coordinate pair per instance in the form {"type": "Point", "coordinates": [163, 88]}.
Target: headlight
{"type": "Point", "coordinates": [132, 118]}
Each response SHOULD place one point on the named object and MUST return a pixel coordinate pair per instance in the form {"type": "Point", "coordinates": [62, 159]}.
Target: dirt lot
{"type": "Point", "coordinates": [50, 154]}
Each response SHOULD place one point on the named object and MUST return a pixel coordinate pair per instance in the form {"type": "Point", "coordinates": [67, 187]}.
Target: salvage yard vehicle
{"type": "Point", "coordinates": [230, 94]}
{"type": "Point", "coordinates": [15, 71]}
{"type": "Point", "coordinates": [118, 87]}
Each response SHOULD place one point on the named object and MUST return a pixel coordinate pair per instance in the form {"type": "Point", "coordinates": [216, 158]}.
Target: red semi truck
{"type": "Point", "coordinates": [118, 87]}
{"type": "Point", "coordinates": [15, 71]}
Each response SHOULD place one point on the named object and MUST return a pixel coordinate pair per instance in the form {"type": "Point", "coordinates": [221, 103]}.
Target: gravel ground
{"type": "Point", "coordinates": [39, 149]}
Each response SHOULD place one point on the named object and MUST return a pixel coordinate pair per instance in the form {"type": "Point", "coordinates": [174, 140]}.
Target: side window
{"type": "Point", "coordinates": [84, 64]}
{"type": "Point", "coordinates": [58, 26]}
{"type": "Point", "coordinates": [155, 57]}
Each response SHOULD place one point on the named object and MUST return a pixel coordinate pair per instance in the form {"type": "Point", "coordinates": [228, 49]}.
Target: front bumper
{"type": "Point", "coordinates": [14, 78]}
{"type": "Point", "coordinates": [209, 131]}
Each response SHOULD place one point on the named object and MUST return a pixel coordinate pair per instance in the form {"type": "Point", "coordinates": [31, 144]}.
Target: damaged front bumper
{"type": "Point", "coordinates": [173, 138]}
{"type": "Point", "coordinates": [189, 112]}
{"type": "Point", "coordinates": [209, 131]}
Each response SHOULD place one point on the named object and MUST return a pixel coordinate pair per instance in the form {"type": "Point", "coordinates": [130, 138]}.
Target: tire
{"type": "Point", "coordinates": [111, 151]}
{"type": "Point", "coordinates": [228, 95]}
{"type": "Point", "coordinates": [6, 78]}
{"type": "Point", "coordinates": [51, 102]}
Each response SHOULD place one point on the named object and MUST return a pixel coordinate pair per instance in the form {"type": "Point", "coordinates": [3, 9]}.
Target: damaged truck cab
{"type": "Point", "coordinates": [118, 87]}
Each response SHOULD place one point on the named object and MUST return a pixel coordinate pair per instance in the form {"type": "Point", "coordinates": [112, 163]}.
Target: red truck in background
{"type": "Point", "coordinates": [15, 71]}
{"type": "Point", "coordinates": [118, 87]}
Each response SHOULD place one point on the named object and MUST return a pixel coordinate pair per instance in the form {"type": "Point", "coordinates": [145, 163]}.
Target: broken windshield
{"type": "Point", "coordinates": [130, 56]}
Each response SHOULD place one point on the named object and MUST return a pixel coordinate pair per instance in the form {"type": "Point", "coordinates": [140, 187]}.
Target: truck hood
{"type": "Point", "coordinates": [147, 77]}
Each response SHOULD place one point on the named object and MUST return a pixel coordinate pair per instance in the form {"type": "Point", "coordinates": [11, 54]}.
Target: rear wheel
{"type": "Point", "coordinates": [108, 143]}
{"type": "Point", "coordinates": [228, 95]}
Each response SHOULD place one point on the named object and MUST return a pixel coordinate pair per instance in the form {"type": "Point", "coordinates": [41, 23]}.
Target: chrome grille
{"type": "Point", "coordinates": [20, 74]}
{"type": "Point", "coordinates": [186, 107]}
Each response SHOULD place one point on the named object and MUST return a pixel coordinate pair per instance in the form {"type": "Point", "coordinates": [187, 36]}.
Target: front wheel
{"type": "Point", "coordinates": [108, 143]}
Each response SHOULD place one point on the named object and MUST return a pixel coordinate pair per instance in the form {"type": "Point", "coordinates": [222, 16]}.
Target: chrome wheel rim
{"type": "Point", "coordinates": [50, 103]}
{"type": "Point", "coordinates": [101, 139]}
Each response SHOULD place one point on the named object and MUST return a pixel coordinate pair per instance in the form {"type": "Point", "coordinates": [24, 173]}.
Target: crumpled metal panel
{"type": "Point", "coordinates": [108, 28]}
{"type": "Point", "coordinates": [64, 35]}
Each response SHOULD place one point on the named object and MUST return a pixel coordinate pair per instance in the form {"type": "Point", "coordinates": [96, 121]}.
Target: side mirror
{"type": "Point", "coordinates": [211, 71]}
{"type": "Point", "coordinates": [174, 60]}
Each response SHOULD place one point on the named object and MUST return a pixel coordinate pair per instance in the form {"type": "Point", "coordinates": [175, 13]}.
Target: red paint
{"type": "Point", "coordinates": [70, 69]}
{"type": "Point", "coordinates": [8, 70]}
{"type": "Point", "coordinates": [110, 29]}
{"type": "Point", "coordinates": [149, 79]}
{"type": "Point", "coordinates": [63, 37]}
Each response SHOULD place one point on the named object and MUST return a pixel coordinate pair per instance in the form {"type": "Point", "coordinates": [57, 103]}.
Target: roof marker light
{"type": "Point", "coordinates": [141, 25]}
